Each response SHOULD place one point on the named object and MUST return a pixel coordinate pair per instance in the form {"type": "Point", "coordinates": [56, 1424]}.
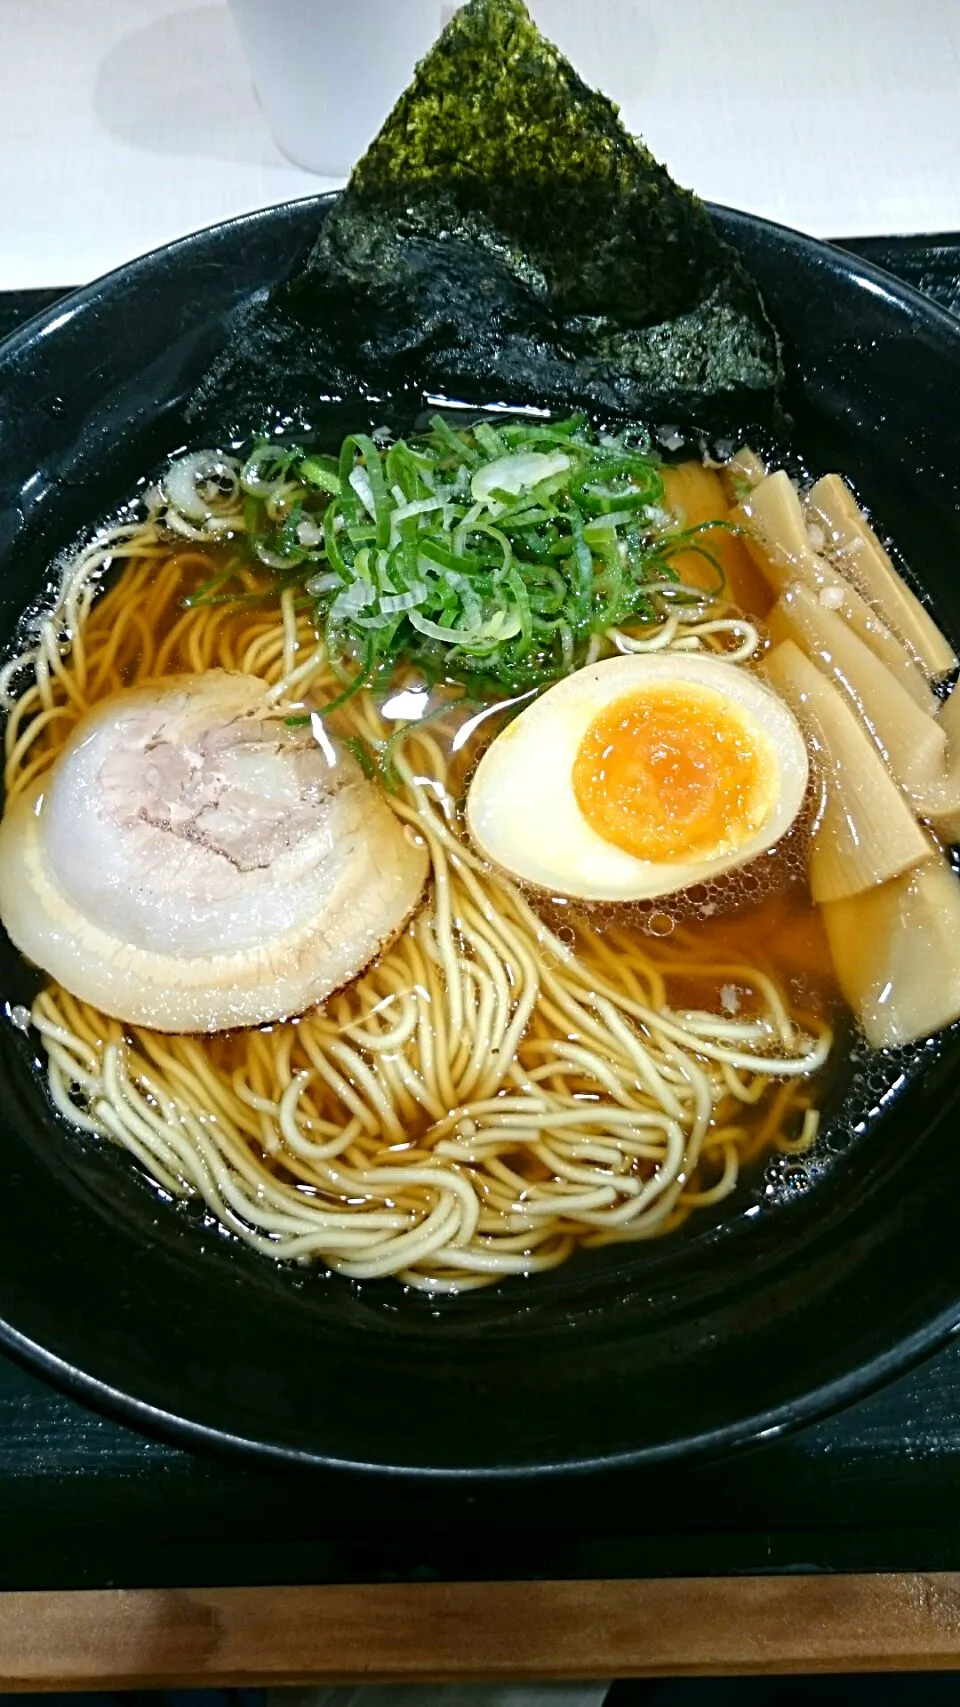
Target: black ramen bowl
{"type": "Point", "coordinates": [637, 1354]}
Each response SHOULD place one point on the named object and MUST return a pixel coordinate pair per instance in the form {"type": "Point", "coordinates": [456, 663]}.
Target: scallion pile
{"type": "Point", "coordinates": [489, 556]}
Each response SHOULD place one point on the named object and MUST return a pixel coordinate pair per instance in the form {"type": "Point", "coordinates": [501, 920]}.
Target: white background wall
{"type": "Point", "coordinates": [124, 123]}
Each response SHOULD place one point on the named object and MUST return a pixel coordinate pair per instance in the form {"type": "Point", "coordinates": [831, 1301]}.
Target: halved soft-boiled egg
{"type": "Point", "coordinates": [639, 776]}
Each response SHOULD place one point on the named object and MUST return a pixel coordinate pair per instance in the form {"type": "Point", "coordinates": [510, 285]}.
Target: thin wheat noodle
{"type": "Point", "coordinates": [383, 1134]}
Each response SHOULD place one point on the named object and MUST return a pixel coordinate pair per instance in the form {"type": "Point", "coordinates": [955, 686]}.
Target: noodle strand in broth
{"type": "Point", "coordinates": [494, 1090]}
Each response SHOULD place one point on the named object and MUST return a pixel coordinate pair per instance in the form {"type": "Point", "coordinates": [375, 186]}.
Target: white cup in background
{"type": "Point", "coordinates": [328, 71]}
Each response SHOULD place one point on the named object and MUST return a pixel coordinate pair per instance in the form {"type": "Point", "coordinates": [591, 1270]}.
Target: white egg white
{"type": "Point", "coordinates": [522, 812]}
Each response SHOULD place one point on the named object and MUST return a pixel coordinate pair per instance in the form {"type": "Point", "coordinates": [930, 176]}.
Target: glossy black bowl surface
{"type": "Point", "coordinates": [652, 1353]}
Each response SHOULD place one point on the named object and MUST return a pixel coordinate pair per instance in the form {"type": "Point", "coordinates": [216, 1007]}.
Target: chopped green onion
{"type": "Point", "coordinates": [320, 472]}
{"type": "Point", "coordinates": [266, 469]}
{"type": "Point", "coordinates": [455, 443]}
{"type": "Point", "coordinates": [488, 555]}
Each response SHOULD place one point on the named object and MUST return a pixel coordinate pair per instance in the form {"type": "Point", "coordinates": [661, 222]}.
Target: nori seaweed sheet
{"type": "Point", "coordinates": [505, 240]}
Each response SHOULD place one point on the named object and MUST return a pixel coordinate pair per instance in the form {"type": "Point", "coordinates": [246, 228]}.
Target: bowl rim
{"type": "Point", "coordinates": [76, 299]}
{"type": "Point", "coordinates": [762, 1425]}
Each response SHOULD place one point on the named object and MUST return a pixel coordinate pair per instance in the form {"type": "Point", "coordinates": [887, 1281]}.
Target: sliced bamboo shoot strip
{"type": "Point", "coordinates": [777, 536]}
{"type": "Point", "coordinates": [864, 833]}
{"type": "Point", "coordinates": [944, 809]}
{"type": "Point", "coordinates": [745, 468]}
{"type": "Point", "coordinates": [912, 744]}
{"type": "Point", "coordinates": [896, 954]}
{"type": "Point", "coordinates": [950, 720]}
{"type": "Point", "coordinates": [861, 557]}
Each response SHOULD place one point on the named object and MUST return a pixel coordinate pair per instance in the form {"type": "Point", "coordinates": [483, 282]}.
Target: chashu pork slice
{"type": "Point", "coordinates": [192, 863]}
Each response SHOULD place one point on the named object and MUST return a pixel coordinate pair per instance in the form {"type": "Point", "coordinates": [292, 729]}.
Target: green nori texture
{"type": "Point", "coordinates": [505, 240]}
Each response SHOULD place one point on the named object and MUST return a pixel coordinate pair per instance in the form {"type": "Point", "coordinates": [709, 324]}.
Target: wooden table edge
{"type": "Point", "coordinates": [437, 1632]}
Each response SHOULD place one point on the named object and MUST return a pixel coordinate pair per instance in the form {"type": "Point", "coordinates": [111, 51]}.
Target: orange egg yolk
{"type": "Point", "coordinates": [674, 771]}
